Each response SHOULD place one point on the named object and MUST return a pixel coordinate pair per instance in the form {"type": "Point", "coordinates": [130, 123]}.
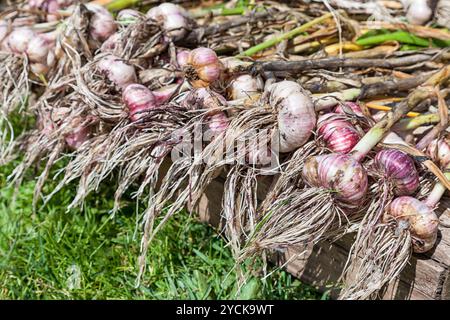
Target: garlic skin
{"type": "Point", "coordinates": [50, 6]}
{"type": "Point", "coordinates": [340, 173]}
{"type": "Point", "coordinates": [338, 134]}
{"type": "Point", "coordinates": [442, 13]}
{"type": "Point", "coordinates": [117, 71]}
{"type": "Point", "coordinates": [356, 108]}
{"type": "Point", "coordinates": [203, 98]}
{"type": "Point", "coordinates": [182, 58]}
{"type": "Point", "coordinates": [19, 38]}
{"type": "Point", "coordinates": [4, 30]}
{"type": "Point", "coordinates": [439, 151]}
{"type": "Point", "coordinates": [244, 86]}
{"type": "Point", "coordinates": [418, 12]}
{"type": "Point", "coordinates": [129, 15]}
{"type": "Point", "coordinates": [398, 168]}
{"type": "Point", "coordinates": [79, 135]}
{"type": "Point", "coordinates": [39, 68]}
{"type": "Point", "coordinates": [138, 99]}
{"type": "Point", "coordinates": [203, 67]}
{"type": "Point", "coordinates": [345, 175]}
{"type": "Point", "coordinates": [174, 19]}
{"type": "Point", "coordinates": [257, 156]}
{"type": "Point", "coordinates": [217, 122]}
{"type": "Point", "coordinates": [110, 44]}
{"type": "Point", "coordinates": [101, 25]}
{"type": "Point", "coordinates": [38, 49]}
{"type": "Point", "coordinates": [420, 218]}
{"type": "Point", "coordinates": [296, 115]}
{"type": "Point", "coordinates": [310, 171]}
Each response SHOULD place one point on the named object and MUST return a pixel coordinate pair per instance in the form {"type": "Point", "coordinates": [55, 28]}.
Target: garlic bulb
{"type": "Point", "coordinates": [296, 115]}
{"type": "Point", "coordinates": [129, 15]}
{"type": "Point", "coordinates": [38, 49]}
{"type": "Point", "coordinates": [50, 6]}
{"type": "Point", "coordinates": [117, 71]}
{"type": "Point", "coordinates": [182, 58]}
{"type": "Point", "coordinates": [339, 134]}
{"type": "Point", "coordinates": [79, 135]}
{"type": "Point", "coordinates": [439, 151]}
{"type": "Point", "coordinates": [203, 98]}
{"type": "Point", "coordinates": [19, 38]}
{"type": "Point", "coordinates": [418, 12]}
{"type": "Point", "coordinates": [420, 219]}
{"type": "Point", "coordinates": [203, 67]}
{"type": "Point", "coordinates": [345, 175]}
{"type": "Point", "coordinates": [310, 170]}
{"type": "Point", "coordinates": [398, 168]}
{"type": "Point", "coordinates": [174, 19]}
{"type": "Point", "coordinates": [349, 106]}
{"type": "Point", "coordinates": [101, 25]}
{"type": "Point", "coordinates": [443, 13]}
{"type": "Point", "coordinates": [217, 122]}
{"type": "Point", "coordinates": [138, 99]}
{"type": "Point", "coordinates": [244, 86]}
{"type": "Point", "coordinates": [110, 44]}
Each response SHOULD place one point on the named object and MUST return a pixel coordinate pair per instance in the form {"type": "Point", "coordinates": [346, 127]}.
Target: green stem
{"type": "Point", "coordinates": [327, 100]}
{"type": "Point", "coordinates": [117, 5]}
{"type": "Point", "coordinates": [219, 12]}
{"type": "Point", "coordinates": [400, 36]}
{"type": "Point", "coordinates": [416, 122]}
{"type": "Point", "coordinates": [438, 191]}
{"type": "Point", "coordinates": [378, 131]}
{"type": "Point", "coordinates": [285, 36]}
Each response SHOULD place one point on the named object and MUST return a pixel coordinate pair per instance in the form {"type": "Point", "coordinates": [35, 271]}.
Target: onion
{"type": "Point", "coordinates": [296, 115]}
{"type": "Point", "coordinates": [175, 19]}
{"type": "Point", "coordinates": [138, 99]}
{"type": "Point", "coordinates": [339, 135]}
{"type": "Point", "coordinates": [203, 67]}
{"type": "Point", "coordinates": [398, 167]}
{"type": "Point", "coordinates": [117, 71]}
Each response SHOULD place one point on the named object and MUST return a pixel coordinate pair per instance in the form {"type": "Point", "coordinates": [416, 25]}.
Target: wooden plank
{"type": "Point", "coordinates": [445, 294]}
{"type": "Point", "coordinates": [423, 278]}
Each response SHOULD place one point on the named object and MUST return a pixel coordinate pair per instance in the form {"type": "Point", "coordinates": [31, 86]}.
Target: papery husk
{"type": "Point", "coordinates": [301, 216]}
{"type": "Point", "coordinates": [186, 177]}
{"type": "Point", "coordinates": [442, 13]}
{"type": "Point", "coordinates": [42, 146]}
{"type": "Point", "coordinates": [14, 95]}
{"type": "Point", "coordinates": [381, 249]}
{"type": "Point", "coordinates": [71, 50]}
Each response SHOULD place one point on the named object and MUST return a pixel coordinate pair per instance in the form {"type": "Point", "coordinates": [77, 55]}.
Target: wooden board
{"type": "Point", "coordinates": [426, 277]}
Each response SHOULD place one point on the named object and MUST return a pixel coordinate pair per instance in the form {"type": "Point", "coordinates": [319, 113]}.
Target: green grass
{"type": "Point", "coordinates": [88, 254]}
